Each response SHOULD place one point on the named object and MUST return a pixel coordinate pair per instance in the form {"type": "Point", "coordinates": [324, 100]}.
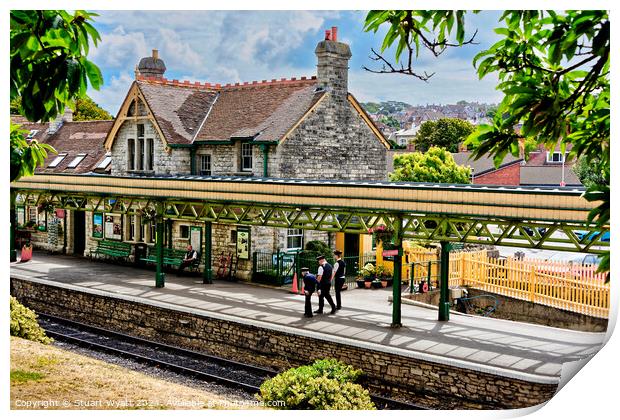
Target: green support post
{"type": "Point", "coordinates": [398, 264]}
{"type": "Point", "coordinates": [12, 215]}
{"type": "Point", "coordinates": [207, 274]}
{"type": "Point", "coordinates": [444, 298]}
{"type": "Point", "coordinates": [160, 276]}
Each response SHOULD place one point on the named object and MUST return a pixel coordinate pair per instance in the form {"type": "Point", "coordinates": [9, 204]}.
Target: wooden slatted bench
{"type": "Point", "coordinates": [112, 249]}
{"type": "Point", "coordinates": [172, 257]}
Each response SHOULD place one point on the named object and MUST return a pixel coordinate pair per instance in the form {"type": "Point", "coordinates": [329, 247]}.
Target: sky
{"type": "Point", "coordinates": [238, 46]}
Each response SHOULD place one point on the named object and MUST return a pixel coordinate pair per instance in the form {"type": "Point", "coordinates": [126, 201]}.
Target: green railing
{"type": "Point", "coordinates": [426, 272]}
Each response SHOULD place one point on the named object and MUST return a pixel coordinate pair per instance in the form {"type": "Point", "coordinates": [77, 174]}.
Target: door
{"type": "Point", "coordinates": [79, 232]}
{"type": "Point", "coordinates": [351, 245]}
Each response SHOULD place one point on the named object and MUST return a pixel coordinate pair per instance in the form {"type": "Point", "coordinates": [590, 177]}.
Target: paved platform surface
{"type": "Point", "coordinates": [525, 351]}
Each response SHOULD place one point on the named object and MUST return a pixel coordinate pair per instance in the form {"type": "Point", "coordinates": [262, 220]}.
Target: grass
{"type": "Point", "coordinates": [46, 377]}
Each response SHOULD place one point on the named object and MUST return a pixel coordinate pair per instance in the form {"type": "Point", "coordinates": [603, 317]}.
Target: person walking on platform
{"type": "Point", "coordinates": [309, 288]}
{"type": "Point", "coordinates": [338, 278]}
{"type": "Point", "coordinates": [324, 277]}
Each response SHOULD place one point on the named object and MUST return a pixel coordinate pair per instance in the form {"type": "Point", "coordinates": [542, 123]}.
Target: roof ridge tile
{"type": "Point", "coordinates": [207, 85]}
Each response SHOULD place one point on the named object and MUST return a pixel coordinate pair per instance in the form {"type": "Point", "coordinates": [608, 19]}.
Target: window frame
{"type": "Point", "coordinates": [57, 160]}
{"type": "Point", "coordinates": [293, 236]}
{"type": "Point", "coordinates": [245, 147]}
{"type": "Point", "coordinates": [551, 157]}
{"type": "Point", "coordinates": [201, 171]}
{"type": "Point", "coordinates": [75, 162]}
{"type": "Point", "coordinates": [131, 154]}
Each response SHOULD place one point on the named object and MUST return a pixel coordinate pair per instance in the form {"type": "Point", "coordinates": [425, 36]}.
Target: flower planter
{"type": "Point", "coordinates": [360, 284]}
{"type": "Point", "coordinates": [376, 285]}
{"type": "Point", "coordinates": [367, 284]}
{"type": "Point", "coordinates": [383, 283]}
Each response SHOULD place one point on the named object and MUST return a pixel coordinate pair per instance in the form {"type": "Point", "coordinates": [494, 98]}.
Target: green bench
{"type": "Point", "coordinates": [172, 257]}
{"type": "Point", "coordinates": [112, 249]}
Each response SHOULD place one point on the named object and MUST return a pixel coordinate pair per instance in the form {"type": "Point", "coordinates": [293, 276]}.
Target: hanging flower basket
{"type": "Point", "coordinates": [147, 215]}
{"type": "Point", "coordinates": [382, 234]}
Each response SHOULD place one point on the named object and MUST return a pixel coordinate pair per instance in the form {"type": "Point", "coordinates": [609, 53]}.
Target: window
{"type": "Point", "coordinates": [150, 144]}
{"type": "Point", "coordinates": [132, 227]}
{"type": "Point", "coordinates": [131, 154]}
{"type": "Point", "coordinates": [32, 214]}
{"type": "Point", "coordinates": [105, 162]}
{"type": "Point", "coordinates": [184, 231]}
{"type": "Point", "coordinates": [233, 236]}
{"type": "Point", "coordinates": [205, 165]}
{"type": "Point", "coordinates": [140, 155]}
{"type": "Point", "coordinates": [294, 239]}
{"type": "Point", "coordinates": [57, 160]}
{"type": "Point", "coordinates": [246, 157]}
{"type": "Point", "coordinates": [75, 162]}
{"type": "Point", "coordinates": [153, 230]}
{"type": "Point", "coordinates": [555, 157]}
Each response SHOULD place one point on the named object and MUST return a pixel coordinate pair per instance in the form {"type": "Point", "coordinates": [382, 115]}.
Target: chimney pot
{"type": "Point", "coordinates": [155, 54]}
{"type": "Point", "coordinates": [334, 33]}
{"type": "Point", "coordinates": [327, 35]}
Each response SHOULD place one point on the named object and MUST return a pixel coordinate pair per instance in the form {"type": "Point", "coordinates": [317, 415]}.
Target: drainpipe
{"type": "Point", "coordinates": [13, 255]}
{"type": "Point", "coordinates": [192, 161]}
{"type": "Point", "coordinates": [265, 149]}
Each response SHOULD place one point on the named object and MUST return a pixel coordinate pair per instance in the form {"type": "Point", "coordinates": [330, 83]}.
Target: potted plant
{"type": "Point", "coordinates": [376, 284]}
{"type": "Point", "coordinates": [360, 279]}
{"type": "Point", "coordinates": [368, 273]}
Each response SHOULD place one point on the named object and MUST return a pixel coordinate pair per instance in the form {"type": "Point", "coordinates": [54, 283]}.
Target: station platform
{"type": "Point", "coordinates": [517, 350]}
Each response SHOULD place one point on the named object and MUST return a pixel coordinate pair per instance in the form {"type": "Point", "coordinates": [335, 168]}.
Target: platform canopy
{"type": "Point", "coordinates": [530, 217]}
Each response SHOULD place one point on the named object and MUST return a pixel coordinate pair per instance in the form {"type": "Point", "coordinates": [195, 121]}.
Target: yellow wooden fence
{"type": "Point", "coordinates": [564, 285]}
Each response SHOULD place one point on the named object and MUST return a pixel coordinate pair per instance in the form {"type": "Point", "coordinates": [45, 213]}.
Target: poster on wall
{"type": "Point", "coordinates": [21, 215]}
{"type": "Point", "coordinates": [97, 225]}
{"type": "Point", "coordinates": [243, 243]}
{"type": "Point", "coordinates": [195, 238]}
{"type": "Point", "coordinates": [112, 226]}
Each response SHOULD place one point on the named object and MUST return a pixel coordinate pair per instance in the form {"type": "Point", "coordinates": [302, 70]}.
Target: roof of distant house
{"type": "Point", "coordinates": [71, 140]}
{"type": "Point", "coordinates": [484, 164]}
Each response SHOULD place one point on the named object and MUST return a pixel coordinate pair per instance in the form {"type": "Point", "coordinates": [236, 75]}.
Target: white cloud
{"type": "Point", "coordinates": [119, 49]}
{"type": "Point", "coordinates": [112, 93]}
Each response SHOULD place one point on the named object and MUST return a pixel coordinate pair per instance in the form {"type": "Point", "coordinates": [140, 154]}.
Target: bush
{"type": "Point", "coordinates": [325, 385]}
{"type": "Point", "coordinates": [24, 323]}
{"type": "Point", "coordinates": [320, 248]}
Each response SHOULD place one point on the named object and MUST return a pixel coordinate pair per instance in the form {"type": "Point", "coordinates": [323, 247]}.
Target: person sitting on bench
{"type": "Point", "coordinates": [190, 258]}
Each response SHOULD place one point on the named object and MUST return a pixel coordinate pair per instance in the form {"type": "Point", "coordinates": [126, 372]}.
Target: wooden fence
{"type": "Point", "coordinates": [564, 285]}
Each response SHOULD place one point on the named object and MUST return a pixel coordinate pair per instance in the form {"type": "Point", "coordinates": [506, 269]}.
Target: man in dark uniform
{"type": "Point", "coordinates": [309, 289]}
{"type": "Point", "coordinates": [324, 277]}
{"type": "Point", "coordinates": [339, 276]}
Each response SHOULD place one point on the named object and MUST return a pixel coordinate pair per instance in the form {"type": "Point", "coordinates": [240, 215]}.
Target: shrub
{"type": "Point", "coordinates": [24, 323]}
{"type": "Point", "coordinates": [325, 385]}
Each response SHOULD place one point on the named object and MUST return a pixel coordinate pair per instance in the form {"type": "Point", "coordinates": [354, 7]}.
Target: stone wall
{"type": "Point", "coordinates": [524, 311]}
{"type": "Point", "coordinates": [333, 142]}
{"type": "Point", "coordinates": [429, 384]}
{"type": "Point", "coordinates": [165, 161]}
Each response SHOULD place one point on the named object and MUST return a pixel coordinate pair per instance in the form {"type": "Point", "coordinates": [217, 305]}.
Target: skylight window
{"type": "Point", "coordinates": [57, 160]}
{"type": "Point", "coordinates": [77, 160]}
{"type": "Point", "coordinates": [105, 162]}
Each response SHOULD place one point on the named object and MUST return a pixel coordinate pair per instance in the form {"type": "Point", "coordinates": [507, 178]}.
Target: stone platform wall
{"type": "Point", "coordinates": [428, 384]}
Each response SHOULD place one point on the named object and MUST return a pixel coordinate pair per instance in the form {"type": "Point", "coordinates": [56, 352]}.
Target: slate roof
{"type": "Point", "coordinates": [261, 111]}
{"type": "Point", "coordinates": [73, 138]}
{"type": "Point", "coordinates": [548, 175]}
{"type": "Point", "coordinates": [179, 111]}
{"type": "Point", "coordinates": [483, 164]}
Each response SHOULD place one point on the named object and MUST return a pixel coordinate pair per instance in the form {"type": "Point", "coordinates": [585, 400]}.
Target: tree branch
{"type": "Point", "coordinates": [387, 67]}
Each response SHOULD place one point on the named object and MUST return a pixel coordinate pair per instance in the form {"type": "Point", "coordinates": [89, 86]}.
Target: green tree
{"type": "Point", "coordinates": [436, 165]}
{"type": "Point", "coordinates": [590, 173]}
{"type": "Point", "coordinates": [48, 69]}
{"type": "Point", "coordinates": [445, 132]}
{"type": "Point", "coordinates": [553, 70]}
{"type": "Point", "coordinates": [87, 110]}
{"type": "Point", "coordinates": [390, 121]}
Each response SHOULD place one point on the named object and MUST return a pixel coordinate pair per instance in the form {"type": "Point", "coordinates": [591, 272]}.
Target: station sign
{"type": "Point", "coordinates": [390, 253]}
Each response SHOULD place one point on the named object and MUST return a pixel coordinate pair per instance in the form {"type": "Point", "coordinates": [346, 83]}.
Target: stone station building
{"type": "Point", "coordinates": [306, 128]}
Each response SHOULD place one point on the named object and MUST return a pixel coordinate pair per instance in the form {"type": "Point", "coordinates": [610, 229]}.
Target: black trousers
{"type": "Point", "coordinates": [308, 307]}
{"type": "Point", "coordinates": [326, 296]}
{"type": "Point", "coordinates": [338, 286]}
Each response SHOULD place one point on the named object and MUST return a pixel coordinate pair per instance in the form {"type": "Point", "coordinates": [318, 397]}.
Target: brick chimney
{"type": "Point", "coordinates": [55, 125]}
{"type": "Point", "coordinates": [333, 64]}
{"type": "Point", "coordinates": [152, 66]}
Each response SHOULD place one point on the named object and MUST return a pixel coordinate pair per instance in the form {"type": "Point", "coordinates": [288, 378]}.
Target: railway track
{"type": "Point", "coordinates": [230, 373]}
